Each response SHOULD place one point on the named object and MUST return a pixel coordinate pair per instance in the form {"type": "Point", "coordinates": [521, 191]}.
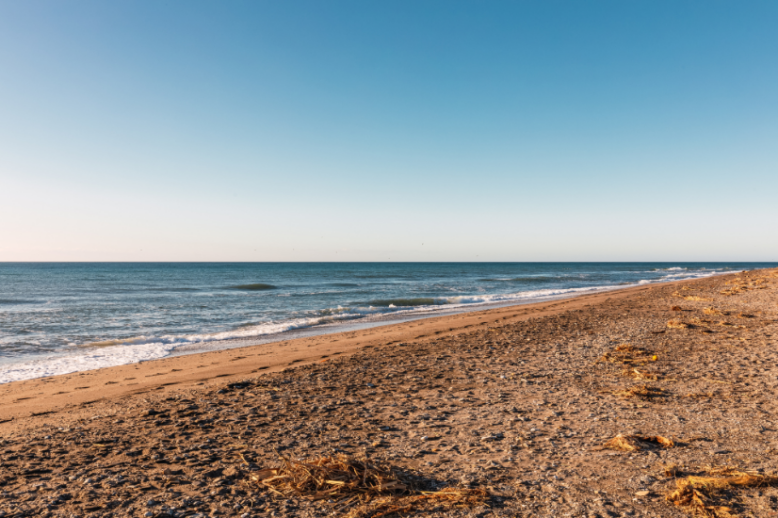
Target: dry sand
{"type": "Point", "coordinates": [518, 401]}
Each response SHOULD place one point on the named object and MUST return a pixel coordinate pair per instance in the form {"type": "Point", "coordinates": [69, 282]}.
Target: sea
{"type": "Point", "coordinates": [57, 318]}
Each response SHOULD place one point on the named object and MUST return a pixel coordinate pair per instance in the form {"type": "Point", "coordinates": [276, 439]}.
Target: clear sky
{"type": "Point", "coordinates": [388, 130]}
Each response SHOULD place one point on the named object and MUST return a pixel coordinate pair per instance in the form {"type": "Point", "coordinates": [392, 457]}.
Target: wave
{"type": "Point", "coordinates": [174, 290]}
{"type": "Point", "coordinates": [111, 343]}
{"type": "Point", "coordinates": [13, 302]}
{"type": "Point", "coordinates": [390, 303]}
{"type": "Point", "coordinates": [539, 279]}
{"type": "Point", "coordinates": [259, 286]}
{"type": "Point", "coordinates": [528, 280]}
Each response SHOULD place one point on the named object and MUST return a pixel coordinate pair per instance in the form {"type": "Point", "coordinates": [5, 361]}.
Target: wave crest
{"type": "Point", "coordinates": [259, 286]}
{"type": "Point", "coordinates": [388, 303]}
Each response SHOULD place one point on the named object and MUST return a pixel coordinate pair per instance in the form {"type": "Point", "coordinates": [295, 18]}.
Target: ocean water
{"type": "Point", "coordinates": [57, 318]}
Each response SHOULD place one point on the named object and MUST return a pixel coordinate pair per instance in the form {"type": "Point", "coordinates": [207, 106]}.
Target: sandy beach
{"type": "Point", "coordinates": [518, 402]}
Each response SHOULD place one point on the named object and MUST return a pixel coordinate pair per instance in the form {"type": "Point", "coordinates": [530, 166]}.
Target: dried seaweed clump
{"type": "Point", "coordinates": [637, 442]}
{"type": "Point", "coordinates": [373, 489]}
{"type": "Point", "coordinates": [640, 391]}
{"type": "Point", "coordinates": [702, 496]}
{"type": "Point", "coordinates": [677, 324]}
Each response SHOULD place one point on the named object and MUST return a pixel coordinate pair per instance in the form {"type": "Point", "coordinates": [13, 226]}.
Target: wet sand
{"type": "Point", "coordinates": [517, 400]}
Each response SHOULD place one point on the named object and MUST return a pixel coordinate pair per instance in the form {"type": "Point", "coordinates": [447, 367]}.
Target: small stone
{"type": "Point", "coordinates": [641, 494]}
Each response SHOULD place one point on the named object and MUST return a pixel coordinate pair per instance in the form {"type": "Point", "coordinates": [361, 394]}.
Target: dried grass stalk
{"type": "Point", "coordinates": [377, 490]}
{"type": "Point", "coordinates": [328, 477]}
{"type": "Point", "coordinates": [641, 374]}
{"type": "Point", "coordinates": [700, 495]}
{"type": "Point", "coordinates": [677, 324]}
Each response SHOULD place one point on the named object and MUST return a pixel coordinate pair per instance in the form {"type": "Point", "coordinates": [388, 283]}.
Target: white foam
{"type": "Point", "coordinates": [522, 295]}
{"type": "Point", "coordinates": [82, 360]}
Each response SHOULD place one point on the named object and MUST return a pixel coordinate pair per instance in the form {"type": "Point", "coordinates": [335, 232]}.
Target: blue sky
{"type": "Point", "coordinates": [419, 130]}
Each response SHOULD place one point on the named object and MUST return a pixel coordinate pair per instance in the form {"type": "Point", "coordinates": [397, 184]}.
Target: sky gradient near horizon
{"type": "Point", "coordinates": [404, 131]}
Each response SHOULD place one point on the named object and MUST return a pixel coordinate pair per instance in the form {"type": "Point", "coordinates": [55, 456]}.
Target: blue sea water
{"type": "Point", "coordinates": [65, 317]}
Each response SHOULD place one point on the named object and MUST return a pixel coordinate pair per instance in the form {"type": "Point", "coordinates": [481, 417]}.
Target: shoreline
{"type": "Point", "coordinates": [26, 403]}
{"type": "Point", "coordinates": [40, 399]}
{"type": "Point", "coordinates": [41, 366]}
